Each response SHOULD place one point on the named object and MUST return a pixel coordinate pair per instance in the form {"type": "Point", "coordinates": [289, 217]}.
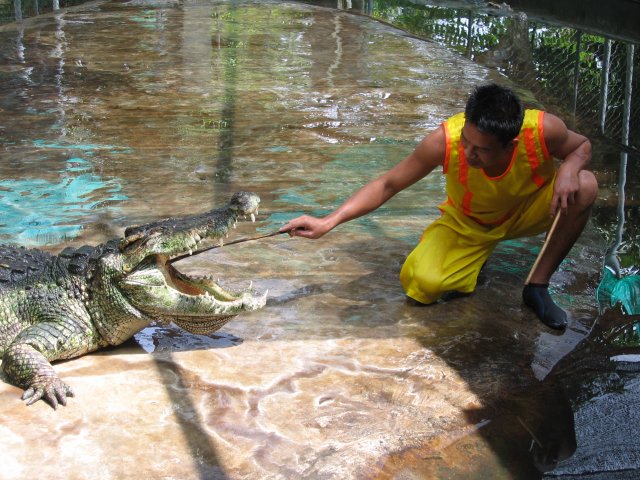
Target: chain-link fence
{"type": "Point", "coordinates": [590, 78]}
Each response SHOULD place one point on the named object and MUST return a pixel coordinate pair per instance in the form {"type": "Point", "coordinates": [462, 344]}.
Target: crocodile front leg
{"type": "Point", "coordinates": [27, 368]}
{"type": "Point", "coordinates": [26, 361]}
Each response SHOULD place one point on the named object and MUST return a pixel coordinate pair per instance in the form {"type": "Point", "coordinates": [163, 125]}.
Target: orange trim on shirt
{"type": "Point", "coordinates": [543, 143]}
{"type": "Point", "coordinates": [447, 139]}
{"type": "Point", "coordinates": [463, 177]}
{"type": "Point", "coordinates": [529, 143]}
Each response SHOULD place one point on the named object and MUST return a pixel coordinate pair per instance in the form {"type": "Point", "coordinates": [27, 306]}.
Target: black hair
{"type": "Point", "coordinates": [495, 110]}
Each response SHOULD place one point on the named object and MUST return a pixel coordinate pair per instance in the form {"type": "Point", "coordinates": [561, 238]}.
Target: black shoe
{"type": "Point", "coordinates": [536, 296]}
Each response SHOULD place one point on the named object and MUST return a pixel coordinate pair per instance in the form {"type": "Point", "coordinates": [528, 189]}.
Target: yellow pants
{"type": "Point", "coordinates": [453, 249]}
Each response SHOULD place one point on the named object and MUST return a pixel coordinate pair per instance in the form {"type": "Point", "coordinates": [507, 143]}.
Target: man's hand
{"type": "Point", "coordinates": [307, 227]}
{"type": "Point", "coordinates": [565, 188]}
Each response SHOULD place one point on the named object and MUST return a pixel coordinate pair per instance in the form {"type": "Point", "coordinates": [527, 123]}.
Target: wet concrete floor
{"type": "Point", "coordinates": [117, 113]}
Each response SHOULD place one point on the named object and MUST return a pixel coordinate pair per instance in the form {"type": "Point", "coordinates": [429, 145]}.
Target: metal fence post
{"type": "Point", "coordinates": [626, 115]}
{"type": "Point", "coordinates": [17, 7]}
{"type": "Point", "coordinates": [604, 85]}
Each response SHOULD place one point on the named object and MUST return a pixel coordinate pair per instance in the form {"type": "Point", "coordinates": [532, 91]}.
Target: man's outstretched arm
{"type": "Point", "coordinates": [426, 156]}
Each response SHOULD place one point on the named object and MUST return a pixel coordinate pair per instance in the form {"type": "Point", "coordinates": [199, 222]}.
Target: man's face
{"type": "Point", "coordinates": [484, 150]}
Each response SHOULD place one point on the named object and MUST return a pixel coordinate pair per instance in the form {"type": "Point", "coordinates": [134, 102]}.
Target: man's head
{"type": "Point", "coordinates": [493, 118]}
{"type": "Point", "coordinates": [495, 110]}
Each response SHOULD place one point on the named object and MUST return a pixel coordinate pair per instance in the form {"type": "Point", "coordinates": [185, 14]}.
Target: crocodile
{"type": "Point", "coordinates": [55, 307]}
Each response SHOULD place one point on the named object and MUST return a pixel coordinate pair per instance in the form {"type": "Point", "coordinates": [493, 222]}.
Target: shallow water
{"type": "Point", "coordinates": [115, 114]}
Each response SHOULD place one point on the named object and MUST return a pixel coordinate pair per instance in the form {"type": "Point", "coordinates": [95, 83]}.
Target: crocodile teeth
{"type": "Point", "coordinates": [190, 252]}
{"type": "Point", "coordinates": [221, 242]}
{"type": "Point", "coordinates": [235, 224]}
{"type": "Point", "coordinates": [253, 217]}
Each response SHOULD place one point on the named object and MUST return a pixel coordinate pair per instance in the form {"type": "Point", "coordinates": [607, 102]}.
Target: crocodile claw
{"type": "Point", "coordinates": [53, 391]}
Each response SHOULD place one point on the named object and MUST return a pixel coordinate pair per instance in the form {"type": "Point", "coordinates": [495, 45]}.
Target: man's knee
{"type": "Point", "coordinates": [423, 285]}
{"type": "Point", "coordinates": [588, 188]}
{"type": "Point", "coordinates": [430, 283]}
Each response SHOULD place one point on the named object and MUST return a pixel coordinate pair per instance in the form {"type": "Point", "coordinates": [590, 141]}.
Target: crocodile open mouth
{"type": "Point", "coordinates": [158, 270]}
{"type": "Point", "coordinates": [195, 285]}
{"type": "Point", "coordinates": [195, 303]}
{"type": "Point", "coordinates": [157, 288]}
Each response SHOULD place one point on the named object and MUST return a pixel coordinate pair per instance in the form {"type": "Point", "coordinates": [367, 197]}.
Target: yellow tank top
{"type": "Point", "coordinates": [490, 201]}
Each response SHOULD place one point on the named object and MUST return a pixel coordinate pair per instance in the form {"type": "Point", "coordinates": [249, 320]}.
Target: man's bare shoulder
{"type": "Point", "coordinates": [559, 139]}
{"type": "Point", "coordinates": [553, 127]}
{"type": "Point", "coordinates": [433, 147]}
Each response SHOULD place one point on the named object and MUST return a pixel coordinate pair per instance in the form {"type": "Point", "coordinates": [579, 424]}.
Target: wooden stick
{"type": "Point", "coordinates": [544, 246]}
{"type": "Point", "coordinates": [529, 431]}
{"type": "Point", "coordinates": [241, 240]}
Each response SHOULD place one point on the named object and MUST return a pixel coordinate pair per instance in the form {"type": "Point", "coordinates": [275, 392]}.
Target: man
{"type": "Point", "coordinates": [501, 184]}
